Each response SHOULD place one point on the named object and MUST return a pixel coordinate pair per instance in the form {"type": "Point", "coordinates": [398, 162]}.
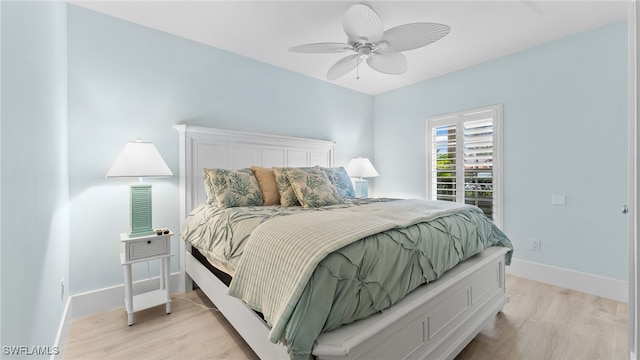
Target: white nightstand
{"type": "Point", "coordinates": [145, 248]}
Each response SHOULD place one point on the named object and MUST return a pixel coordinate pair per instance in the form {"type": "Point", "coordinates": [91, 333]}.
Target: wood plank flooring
{"type": "Point", "coordinates": [540, 322]}
{"type": "Point", "coordinates": [547, 322]}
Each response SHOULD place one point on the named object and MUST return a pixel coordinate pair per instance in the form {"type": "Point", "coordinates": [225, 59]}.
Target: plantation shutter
{"type": "Point", "coordinates": [462, 150]}
{"type": "Point", "coordinates": [444, 157]}
{"type": "Point", "coordinates": [478, 161]}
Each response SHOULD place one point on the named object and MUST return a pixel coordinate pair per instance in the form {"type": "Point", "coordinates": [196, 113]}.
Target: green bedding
{"type": "Point", "coordinates": [220, 234]}
{"type": "Point", "coordinates": [342, 279]}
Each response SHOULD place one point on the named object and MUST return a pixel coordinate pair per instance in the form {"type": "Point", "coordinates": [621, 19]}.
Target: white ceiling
{"type": "Point", "coordinates": [265, 30]}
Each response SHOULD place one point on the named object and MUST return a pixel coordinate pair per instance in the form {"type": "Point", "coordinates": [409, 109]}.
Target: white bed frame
{"type": "Point", "coordinates": [435, 321]}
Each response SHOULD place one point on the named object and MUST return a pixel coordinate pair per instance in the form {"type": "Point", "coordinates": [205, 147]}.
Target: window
{"type": "Point", "coordinates": [464, 159]}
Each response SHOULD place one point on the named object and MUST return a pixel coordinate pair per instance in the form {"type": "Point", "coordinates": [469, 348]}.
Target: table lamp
{"type": "Point", "coordinates": [139, 159]}
{"type": "Point", "coordinates": [361, 168]}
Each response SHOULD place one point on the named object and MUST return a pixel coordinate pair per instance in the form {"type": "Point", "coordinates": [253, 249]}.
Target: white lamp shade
{"type": "Point", "coordinates": [139, 159]}
{"type": "Point", "coordinates": [361, 168]}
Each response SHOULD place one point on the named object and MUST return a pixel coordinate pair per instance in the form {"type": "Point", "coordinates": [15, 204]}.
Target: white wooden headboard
{"type": "Point", "coordinates": [202, 147]}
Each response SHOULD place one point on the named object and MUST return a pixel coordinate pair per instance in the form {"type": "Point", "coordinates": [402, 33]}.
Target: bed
{"type": "Point", "coordinates": [432, 321]}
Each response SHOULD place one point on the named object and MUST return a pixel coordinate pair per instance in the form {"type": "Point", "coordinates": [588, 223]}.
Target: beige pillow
{"type": "Point", "coordinates": [268, 187]}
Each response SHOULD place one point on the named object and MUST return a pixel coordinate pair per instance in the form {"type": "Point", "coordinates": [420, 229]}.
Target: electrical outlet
{"type": "Point", "coordinates": [62, 289]}
{"type": "Point", "coordinates": [534, 245]}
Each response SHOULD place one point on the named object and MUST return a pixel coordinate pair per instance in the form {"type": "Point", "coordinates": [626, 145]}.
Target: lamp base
{"type": "Point", "coordinates": [361, 188]}
{"type": "Point", "coordinates": [140, 210]}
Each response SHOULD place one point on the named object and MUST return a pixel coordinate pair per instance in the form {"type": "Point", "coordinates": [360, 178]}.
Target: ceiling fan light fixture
{"type": "Point", "coordinates": [364, 52]}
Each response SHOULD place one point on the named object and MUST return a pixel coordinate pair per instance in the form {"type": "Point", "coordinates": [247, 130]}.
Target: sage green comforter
{"type": "Point", "coordinates": [220, 234]}
{"type": "Point", "coordinates": [361, 260]}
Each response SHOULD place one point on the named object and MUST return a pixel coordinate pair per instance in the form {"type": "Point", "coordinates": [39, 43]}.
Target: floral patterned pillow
{"type": "Point", "coordinates": [341, 181]}
{"type": "Point", "coordinates": [287, 195]}
{"type": "Point", "coordinates": [233, 188]}
{"type": "Point", "coordinates": [312, 187]}
{"type": "Point", "coordinates": [208, 188]}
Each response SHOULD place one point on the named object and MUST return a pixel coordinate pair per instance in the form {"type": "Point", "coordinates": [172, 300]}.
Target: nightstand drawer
{"type": "Point", "coordinates": [147, 248]}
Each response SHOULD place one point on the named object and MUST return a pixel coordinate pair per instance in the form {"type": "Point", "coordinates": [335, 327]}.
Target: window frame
{"type": "Point", "coordinates": [459, 118]}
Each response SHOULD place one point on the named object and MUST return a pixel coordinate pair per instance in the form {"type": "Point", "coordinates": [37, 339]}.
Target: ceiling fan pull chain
{"type": "Point", "coordinates": [357, 69]}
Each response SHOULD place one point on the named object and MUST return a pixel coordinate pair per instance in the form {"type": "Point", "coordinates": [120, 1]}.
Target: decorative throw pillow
{"type": "Point", "coordinates": [341, 181]}
{"type": "Point", "coordinates": [208, 188]}
{"type": "Point", "coordinates": [233, 188]}
{"type": "Point", "coordinates": [312, 187]}
{"type": "Point", "coordinates": [267, 183]}
{"type": "Point", "coordinates": [287, 195]}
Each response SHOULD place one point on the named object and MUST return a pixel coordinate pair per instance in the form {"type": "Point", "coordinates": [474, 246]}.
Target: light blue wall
{"type": "Point", "coordinates": [565, 132]}
{"type": "Point", "coordinates": [35, 221]}
{"type": "Point", "coordinates": [128, 81]}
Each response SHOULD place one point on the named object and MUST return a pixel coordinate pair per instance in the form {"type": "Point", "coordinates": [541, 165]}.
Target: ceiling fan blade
{"type": "Point", "coordinates": [343, 66]}
{"type": "Point", "coordinates": [388, 62]}
{"type": "Point", "coordinates": [412, 36]}
{"type": "Point", "coordinates": [321, 48]}
{"type": "Point", "coordinates": [362, 24]}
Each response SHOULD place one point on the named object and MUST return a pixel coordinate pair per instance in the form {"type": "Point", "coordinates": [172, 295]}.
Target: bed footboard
{"type": "Point", "coordinates": [433, 322]}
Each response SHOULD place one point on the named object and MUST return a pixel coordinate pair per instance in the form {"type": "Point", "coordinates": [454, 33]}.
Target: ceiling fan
{"type": "Point", "coordinates": [381, 49]}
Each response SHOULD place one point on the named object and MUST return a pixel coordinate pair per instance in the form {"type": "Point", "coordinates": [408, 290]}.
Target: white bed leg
{"type": "Point", "coordinates": [186, 283]}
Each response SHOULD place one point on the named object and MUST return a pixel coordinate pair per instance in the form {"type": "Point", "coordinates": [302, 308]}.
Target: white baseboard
{"type": "Point", "coordinates": [98, 301]}
{"type": "Point", "coordinates": [63, 331]}
{"type": "Point", "coordinates": [575, 280]}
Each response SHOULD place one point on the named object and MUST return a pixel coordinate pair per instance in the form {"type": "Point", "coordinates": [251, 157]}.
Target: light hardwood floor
{"type": "Point", "coordinates": [540, 322]}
